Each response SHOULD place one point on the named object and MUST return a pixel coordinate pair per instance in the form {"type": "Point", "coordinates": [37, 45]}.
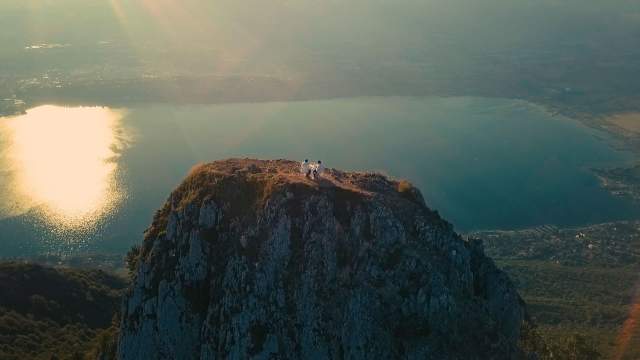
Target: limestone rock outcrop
{"type": "Point", "coordinates": [248, 259]}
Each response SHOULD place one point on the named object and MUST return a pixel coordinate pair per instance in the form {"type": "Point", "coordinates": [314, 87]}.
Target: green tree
{"type": "Point", "coordinates": [132, 259]}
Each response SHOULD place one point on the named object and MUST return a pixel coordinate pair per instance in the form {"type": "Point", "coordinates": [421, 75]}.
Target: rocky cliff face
{"type": "Point", "coordinates": [248, 259]}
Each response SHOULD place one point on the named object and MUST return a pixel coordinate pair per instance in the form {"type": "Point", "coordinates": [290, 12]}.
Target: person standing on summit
{"type": "Point", "coordinates": [318, 169]}
{"type": "Point", "coordinates": [305, 168]}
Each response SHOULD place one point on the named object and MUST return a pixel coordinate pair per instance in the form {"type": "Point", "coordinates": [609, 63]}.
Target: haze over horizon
{"type": "Point", "coordinates": [270, 36]}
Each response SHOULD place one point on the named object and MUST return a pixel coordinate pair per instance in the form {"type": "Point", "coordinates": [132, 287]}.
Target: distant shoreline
{"type": "Point", "coordinates": [621, 139]}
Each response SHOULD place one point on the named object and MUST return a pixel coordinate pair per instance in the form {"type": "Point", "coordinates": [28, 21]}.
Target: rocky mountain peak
{"type": "Point", "coordinates": [250, 259]}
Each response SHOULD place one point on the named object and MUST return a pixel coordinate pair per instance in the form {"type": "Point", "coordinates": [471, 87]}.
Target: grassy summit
{"type": "Point", "coordinates": [245, 184]}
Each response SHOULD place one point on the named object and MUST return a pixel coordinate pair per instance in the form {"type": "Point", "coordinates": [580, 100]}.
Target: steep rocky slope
{"type": "Point", "coordinates": [248, 259]}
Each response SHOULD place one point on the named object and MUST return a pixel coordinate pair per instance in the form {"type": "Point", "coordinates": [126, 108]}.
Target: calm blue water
{"type": "Point", "coordinates": [482, 163]}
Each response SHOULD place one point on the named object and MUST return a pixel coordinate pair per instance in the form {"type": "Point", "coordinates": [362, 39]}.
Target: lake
{"type": "Point", "coordinates": [88, 179]}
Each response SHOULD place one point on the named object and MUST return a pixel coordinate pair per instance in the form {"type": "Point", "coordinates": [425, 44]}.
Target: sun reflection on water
{"type": "Point", "coordinates": [63, 161]}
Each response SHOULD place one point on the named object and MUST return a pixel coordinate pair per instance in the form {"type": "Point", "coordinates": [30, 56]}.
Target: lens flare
{"type": "Point", "coordinates": [630, 327]}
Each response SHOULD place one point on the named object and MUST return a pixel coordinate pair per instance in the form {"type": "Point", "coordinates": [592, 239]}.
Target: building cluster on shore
{"type": "Point", "coordinates": [607, 244]}
{"type": "Point", "coordinates": [9, 107]}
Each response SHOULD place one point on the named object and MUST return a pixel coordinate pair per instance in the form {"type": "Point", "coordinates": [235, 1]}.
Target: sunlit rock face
{"type": "Point", "coordinates": [62, 161]}
{"type": "Point", "coordinates": [248, 259]}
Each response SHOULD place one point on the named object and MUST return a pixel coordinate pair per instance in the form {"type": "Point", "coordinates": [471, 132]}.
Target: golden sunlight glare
{"type": "Point", "coordinates": [63, 159]}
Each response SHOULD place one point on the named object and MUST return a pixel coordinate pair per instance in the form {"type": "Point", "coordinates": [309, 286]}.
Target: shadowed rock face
{"type": "Point", "coordinates": [248, 259]}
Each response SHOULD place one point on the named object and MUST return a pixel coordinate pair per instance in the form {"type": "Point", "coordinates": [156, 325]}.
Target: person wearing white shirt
{"type": "Point", "coordinates": [305, 168]}
{"type": "Point", "coordinates": [318, 170]}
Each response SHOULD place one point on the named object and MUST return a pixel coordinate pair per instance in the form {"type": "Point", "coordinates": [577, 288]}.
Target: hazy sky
{"type": "Point", "coordinates": [270, 31]}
